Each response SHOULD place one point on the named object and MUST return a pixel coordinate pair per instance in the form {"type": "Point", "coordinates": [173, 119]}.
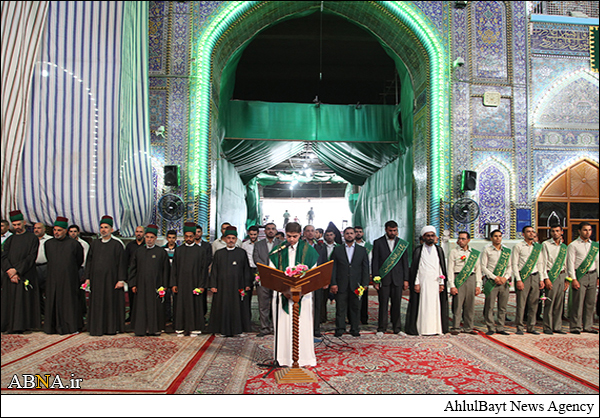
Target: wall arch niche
{"type": "Point", "coordinates": [568, 199]}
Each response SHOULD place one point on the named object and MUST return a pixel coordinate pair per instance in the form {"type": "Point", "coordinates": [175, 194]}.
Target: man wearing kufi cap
{"type": "Point", "coordinates": [188, 283]}
{"type": "Point", "coordinates": [20, 291]}
{"type": "Point", "coordinates": [148, 279]}
{"type": "Point", "coordinates": [427, 312]}
{"type": "Point", "coordinates": [65, 255]}
{"type": "Point", "coordinates": [230, 278]}
{"type": "Point", "coordinates": [105, 276]}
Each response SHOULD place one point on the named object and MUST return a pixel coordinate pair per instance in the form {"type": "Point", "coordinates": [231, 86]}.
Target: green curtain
{"type": "Point", "coordinates": [387, 195]}
{"type": "Point", "coordinates": [254, 212]}
{"type": "Point", "coordinates": [231, 197]}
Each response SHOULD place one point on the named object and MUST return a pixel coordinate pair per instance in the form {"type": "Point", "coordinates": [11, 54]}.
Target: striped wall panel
{"type": "Point", "coordinates": [22, 28]}
{"type": "Point", "coordinates": [81, 138]}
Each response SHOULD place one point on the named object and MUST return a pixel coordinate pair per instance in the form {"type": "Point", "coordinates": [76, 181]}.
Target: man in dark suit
{"type": "Point", "coordinates": [207, 255]}
{"type": "Point", "coordinates": [261, 255]}
{"type": "Point", "coordinates": [427, 276]}
{"type": "Point", "coordinates": [350, 272]}
{"type": "Point", "coordinates": [390, 265]}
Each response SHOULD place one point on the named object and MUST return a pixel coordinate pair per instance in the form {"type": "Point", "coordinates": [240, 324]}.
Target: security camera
{"type": "Point", "coordinates": [459, 62]}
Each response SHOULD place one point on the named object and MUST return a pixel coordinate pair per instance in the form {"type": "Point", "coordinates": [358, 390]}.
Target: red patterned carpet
{"type": "Point", "coordinates": [109, 364]}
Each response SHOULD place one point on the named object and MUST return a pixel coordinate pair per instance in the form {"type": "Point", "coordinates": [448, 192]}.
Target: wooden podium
{"type": "Point", "coordinates": [276, 280]}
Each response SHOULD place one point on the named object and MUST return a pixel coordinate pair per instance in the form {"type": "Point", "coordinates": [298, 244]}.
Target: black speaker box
{"type": "Point", "coordinates": [172, 175]}
{"type": "Point", "coordinates": [468, 180]}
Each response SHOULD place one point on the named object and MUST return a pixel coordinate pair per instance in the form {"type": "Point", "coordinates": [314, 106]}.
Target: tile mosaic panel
{"type": "Point", "coordinates": [547, 164]}
{"type": "Point", "coordinates": [547, 38]}
{"type": "Point", "coordinates": [557, 138]}
{"type": "Point", "coordinates": [493, 196]}
{"type": "Point", "coordinates": [157, 37]}
{"type": "Point", "coordinates": [488, 42]}
{"type": "Point", "coordinates": [491, 121]}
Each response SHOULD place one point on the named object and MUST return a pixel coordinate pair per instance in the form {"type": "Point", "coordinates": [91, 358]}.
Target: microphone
{"type": "Point", "coordinates": [282, 247]}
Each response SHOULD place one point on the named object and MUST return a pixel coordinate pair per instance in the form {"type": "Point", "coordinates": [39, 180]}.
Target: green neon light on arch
{"type": "Point", "coordinates": [407, 12]}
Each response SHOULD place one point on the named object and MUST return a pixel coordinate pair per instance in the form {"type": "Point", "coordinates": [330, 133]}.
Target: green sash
{"type": "Point", "coordinates": [558, 263]}
{"type": "Point", "coordinates": [369, 247]}
{"type": "Point", "coordinates": [336, 245]}
{"type": "Point", "coordinates": [305, 254]}
{"type": "Point", "coordinates": [499, 271]}
{"type": "Point", "coordinates": [587, 262]}
{"type": "Point", "coordinates": [530, 263]}
{"type": "Point", "coordinates": [467, 269]}
{"type": "Point", "coordinates": [394, 257]}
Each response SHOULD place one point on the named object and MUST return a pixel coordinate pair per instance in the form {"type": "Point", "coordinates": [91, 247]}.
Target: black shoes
{"type": "Point", "coordinates": [590, 331]}
{"type": "Point", "coordinates": [548, 332]}
{"type": "Point", "coordinates": [576, 332]}
{"type": "Point", "coordinates": [491, 333]}
{"type": "Point", "coordinates": [503, 333]}
{"type": "Point", "coordinates": [534, 332]}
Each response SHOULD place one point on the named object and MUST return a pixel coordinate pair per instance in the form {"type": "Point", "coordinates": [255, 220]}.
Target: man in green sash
{"type": "Point", "coordinates": [464, 282]}
{"type": "Point", "coordinates": [555, 254]}
{"type": "Point", "coordinates": [390, 266]}
{"type": "Point", "coordinates": [582, 267]}
{"type": "Point", "coordinates": [495, 267]}
{"type": "Point", "coordinates": [294, 252]}
{"type": "Point", "coordinates": [527, 263]}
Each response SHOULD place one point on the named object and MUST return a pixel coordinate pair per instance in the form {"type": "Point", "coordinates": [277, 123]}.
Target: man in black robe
{"type": "Point", "coordinates": [207, 254]}
{"type": "Point", "coordinates": [188, 283]}
{"type": "Point", "coordinates": [65, 255]}
{"type": "Point", "coordinates": [230, 278]}
{"type": "Point", "coordinates": [148, 279]}
{"type": "Point", "coordinates": [20, 293]}
{"type": "Point", "coordinates": [105, 275]}
{"type": "Point", "coordinates": [131, 248]}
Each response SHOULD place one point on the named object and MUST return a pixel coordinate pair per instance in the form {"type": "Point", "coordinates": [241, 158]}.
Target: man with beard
{"type": "Point", "coordinates": [230, 279]}
{"type": "Point", "coordinates": [188, 283]}
{"type": "Point", "coordinates": [148, 274]}
{"type": "Point", "coordinates": [427, 312]}
{"type": "Point", "coordinates": [390, 268]}
{"type": "Point", "coordinates": [350, 272]}
{"type": "Point", "coordinates": [321, 306]}
{"type": "Point", "coordinates": [262, 249]}
{"type": "Point", "coordinates": [130, 249]}
{"type": "Point", "coordinates": [105, 276]}
{"type": "Point", "coordinates": [20, 293]}
{"type": "Point", "coordinates": [41, 262]}
{"type": "Point", "coordinates": [555, 254]}
{"type": "Point", "coordinates": [207, 253]}
{"type": "Point", "coordinates": [65, 257]}
{"type": "Point", "coordinates": [249, 246]}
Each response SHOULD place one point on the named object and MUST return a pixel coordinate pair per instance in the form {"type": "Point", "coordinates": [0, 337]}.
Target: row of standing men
{"type": "Point", "coordinates": [110, 267]}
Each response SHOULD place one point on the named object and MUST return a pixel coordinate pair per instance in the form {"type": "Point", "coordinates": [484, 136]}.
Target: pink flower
{"type": "Point", "coordinates": [289, 271]}
{"type": "Point", "coordinates": [162, 293]}
{"type": "Point", "coordinates": [442, 277]}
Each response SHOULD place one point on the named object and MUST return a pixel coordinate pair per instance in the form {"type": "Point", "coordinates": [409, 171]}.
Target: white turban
{"type": "Point", "coordinates": [427, 229]}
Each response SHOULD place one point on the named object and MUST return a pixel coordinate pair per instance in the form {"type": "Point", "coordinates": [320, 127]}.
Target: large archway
{"type": "Point", "coordinates": [398, 25]}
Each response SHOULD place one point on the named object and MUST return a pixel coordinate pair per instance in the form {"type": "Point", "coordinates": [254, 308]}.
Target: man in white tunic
{"type": "Point", "coordinates": [291, 254]}
{"type": "Point", "coordinates": [428, 306]}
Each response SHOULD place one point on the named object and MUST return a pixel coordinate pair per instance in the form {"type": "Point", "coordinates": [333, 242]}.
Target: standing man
{"type": "Point", "coordinates": [188, 283]}
{"type": "Point", "coordinates": [527, 262]}
{"type": "Point", "coordinates": [207, 253]}
{"type": "Point", "coordinates": [350, 272]}
{"type": "Point", "coordinates": [262, 249]}
{"type": "Point", "coordinates": [20, 293]}
{"type": "Point", "coordinates": [105, 275]}
{"type": "Point", "coordinates": [427, 312]}
{"type": "Point", "coordinates": [464, 281]}
{"type": "Point", "coordinates": [310, 216]}
{"type": "Point", "coordinates": [495, 266]}
{"type": "Point", "coordinates": [65, 257]}
{"type": "Point", "coordinates": [309, 236]}
{"type": "Point", "coordinates": [364, 309]}
{"type": "Point", "coordinates": [130, 249]}
{"type": "Point", "coordinates": [555, 254]}
{"type": "Point", "coordinates": [230, 279]}
{"type": "Point", "coordinates": [249, 246]}
{"type": "Point", "coordinates": [41, 262]}
{"type": "Point", "coordinates": [221, 242]}
{"type": "Point", "coordinates": [297, 252]}
{"type": "Point", "coordinates": [319, 235]}
{"type": "Point", "coordinates": [286, 218]}
{"type": "Point", "coordinates": [582, 267]}
{"type": "Point", "coordinates": [390, 266]}
{"type": "Point", "coordinates": [148, 272]}
{"type": "Point", "coordinates": [170, 249]}
{"type": "Point", "coordinates": [5, 229]}
{"type": "Point", "coordinates": [321, 306]}
{"type": "Point", "coordinates": [74, 233]}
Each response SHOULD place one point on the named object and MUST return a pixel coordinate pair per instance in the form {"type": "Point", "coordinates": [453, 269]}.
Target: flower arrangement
{"type": "Point", "coordinates": [300, 270]}
{"type": "Point", "coordinates": [377, 279]}
{"type": "Point", "coordinates": [242, 293]}
{"type": "Point", "coordinates": [464, 257]}
{"type": "Point", "coordinates": [197, 291]}
{"type": "Point", "coordinates": [161, 294]}
{"type": "Point", "coordinates": [545, 298]}
{"type": "Point", "coordinates": [257, 279]}
{"type": "Point", "coordinates": [27, 285]}
{"type": "Point", "coordinates": [441, 279]}
{"type": "Point", "coordinates": [85, 287]}
{"type": "Point", "coordinates": [359, 291]}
